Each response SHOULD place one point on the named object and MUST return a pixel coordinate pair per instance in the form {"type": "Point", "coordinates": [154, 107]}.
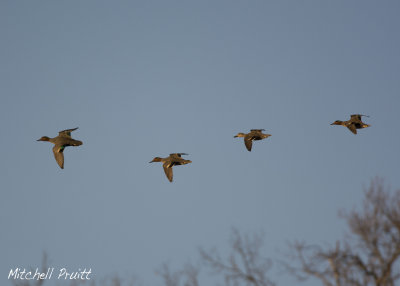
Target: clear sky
{"type": "Point", "coordinates": [148, 78]}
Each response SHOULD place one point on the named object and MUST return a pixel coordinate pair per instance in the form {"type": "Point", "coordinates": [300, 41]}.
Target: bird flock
{"type": "Point", "coordinates": [64, 139]}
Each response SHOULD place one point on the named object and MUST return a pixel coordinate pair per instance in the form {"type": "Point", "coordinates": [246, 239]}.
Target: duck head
{"type": "Point", "coordinates": [156, 159]}
{"type": "Point", "coordinates": [239, 135]}
{"type": "Point", "coordinates": [44, 138]}
{"type": "Point", "coordinates": [337, 122]}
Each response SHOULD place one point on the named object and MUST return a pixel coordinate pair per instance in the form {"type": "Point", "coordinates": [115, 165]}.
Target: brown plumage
{"type": "Point", "coordinates": [254, 134]}
{"type": "Point", "coordinates": [353, 123]}
{"type": "Point", "coordinates": [174, 159]}
{"type": "Point", "coordinates": [60, 142]}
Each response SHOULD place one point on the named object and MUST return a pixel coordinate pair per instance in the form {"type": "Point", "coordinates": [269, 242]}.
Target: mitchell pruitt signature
{"type": "Point", "coordinates": [22, 274]}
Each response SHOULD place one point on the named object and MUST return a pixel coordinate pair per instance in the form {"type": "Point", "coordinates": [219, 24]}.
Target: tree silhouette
{"type": "Point", "coordinates": [188, 276]}
{"type": "Point", "coordinates": [243, 266]}
{"type": "Point", "coordinates": [369, 254]}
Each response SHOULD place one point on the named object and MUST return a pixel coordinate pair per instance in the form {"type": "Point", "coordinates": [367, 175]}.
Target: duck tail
{"type": "Point", "coordinates": [77, 143]}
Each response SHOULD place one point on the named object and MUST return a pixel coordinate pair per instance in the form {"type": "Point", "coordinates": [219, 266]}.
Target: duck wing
{"type": "Point", "coordinates": [355, 117]}
{"type": "Point", "coordinates": [66, 132]}
{"type": "Point", "coordinates": [177, 154]}
{"type": "Point", "coordinates": [248, 142]}
{"type": "Point", "coordinates": [352, 127]}
{"type": "Point", "coordinates": [168, 171]}
{"type": "Point", "coordinates": [259, 130]}
{"type": "Point", "coordinates": [59, 155]}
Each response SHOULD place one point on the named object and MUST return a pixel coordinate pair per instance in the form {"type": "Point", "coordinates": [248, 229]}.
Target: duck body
{"type": "Point", "coordinates": [63, 140]}
{"type": "Point", "coordinates": [174, 159]}
{"type": "Point", "coordinates": [253, 135]}
{"type": "Point", "coordinates": [354, 123]}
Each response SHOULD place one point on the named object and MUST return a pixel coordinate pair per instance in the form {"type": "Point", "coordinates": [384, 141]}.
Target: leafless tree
{"type": "Point", "coordinates": [116, 280]}
{"type": "Point", "coordinates": [245, 265]}
{"type": "Point", "coordinates": [169, 278]}
{"type": "Point", "coordinates": [188, 276]}
{"type": "Point", "coordinates": [368, 255]}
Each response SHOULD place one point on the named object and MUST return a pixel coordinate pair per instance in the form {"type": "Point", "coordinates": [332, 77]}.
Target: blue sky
{"type": "Point", "coordinates": [148, 78]}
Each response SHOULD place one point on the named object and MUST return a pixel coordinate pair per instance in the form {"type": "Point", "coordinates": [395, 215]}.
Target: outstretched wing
{"type": "Point", "coordinates": [257, 130]}
{"type": "Point", "coordinates": [248, 142]}
{"type": "Point", "coordinates": [59, 155]}
{"type": "Point", "coordinates": [352, 128]}
{"type": "Point", "coordinates": [67, 132]}
{"type": "Point", "coordinates": [357, 117]}
{"type": "Point", "coordinates": [168, 172]}
{"type": "Point", "coordinates": [178, 154]}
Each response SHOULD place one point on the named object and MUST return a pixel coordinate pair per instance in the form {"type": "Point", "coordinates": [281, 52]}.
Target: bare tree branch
{"type": "Point", "coordinates": [244, 266]}
{"type": "Point", "coordinates": [370, 257]}
{"type": "Point", "coordinates": [188, 276]}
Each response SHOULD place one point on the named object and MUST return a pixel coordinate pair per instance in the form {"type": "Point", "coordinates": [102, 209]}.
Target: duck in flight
{"type": "Point", "coordinates": [254, 134]}
{"type": "Point", "coordinates": [60, 142]}
{"type": "Point", "coordinates": [353, 123]}
{"type": "Point", "coordinates": [174, 159]}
